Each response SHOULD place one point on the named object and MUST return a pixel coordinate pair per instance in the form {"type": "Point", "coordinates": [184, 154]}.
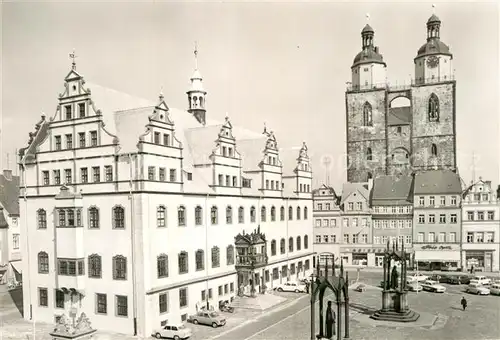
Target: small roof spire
{"type": "Point", "coordinates": [433, 8]}
{"type": "Point", "coordinates": [196, 54]}
{"type": "Point", "coordinates": [73, 56]}
{"type": "Point", "coordinates": [161, 93]}
{"type": "Point", "coordinates": [367, 17]}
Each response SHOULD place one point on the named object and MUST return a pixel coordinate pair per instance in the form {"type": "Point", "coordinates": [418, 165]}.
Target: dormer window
{"type": "Point", "coordinates": [166, 139]}
{"type": "Point", "coordinates": [81, 110]}
{"type": "Point", "coordinates": [230, 152]}
{"type": "Point", "coordinates": [224, 151]}
{"type": "Point", "coordinates": [67, 109]}
{"type": "Point", "coordinates": [157, 138]}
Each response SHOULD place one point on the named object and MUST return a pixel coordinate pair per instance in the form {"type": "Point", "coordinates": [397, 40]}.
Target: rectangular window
{"type": "Point", "coordinates": [203, 295]}
{"type": "Point", "coordinates": [46, 177]}
{"type": "Point", "coordinates": [376, 239]}
{"type": "Point", "coordinates": [320, 206]}
{"type": "Point", "coordinates": [432, 218]}
{"type": "Point", "coordinates": [108, 169]}
{"type": "Point", "coordinates": [228, 181]}
{"type": "Point", "coordinates": [121, 305]}
{"type": "Point", "coordinates": [346, 222]}
{"type": "Point", "coordinates": [96, 174]}
{"type": "Point", "coordinates": [421, 219]}
{"type": "Point", "coordinates": [408, 239]}
{"type": "Point", "coordinates": [93, 138]}
{"type": "Point", "coordinates": [490, 237]}
{"type": "Point", "coordinates": [355, 238]}
{"type": "Point", "coordinates": [325, 222]}
{"type": "Point", "coordinates": [384, 239]}
{"type": "Point", "coordinates": [453, 237]}
{"type": "Point", "coordinates": [480, 215]}
{"type": "Point", "coordinates": [219, 290]}
{"type": "Point", "coordinates": [210, 293]}
{"type": "Point", "coordinates": [420, 237]}
{"type": "Point", "coordinates": [161, 175]}
{"type": "Point", "coordinates": [166, 139]}
{"type": "Point", "coordinates": [183, 297]}
{"type": "Point", "coordinates": [57, 142]}
{"type": "Point", "coordinates": [470, 237]}
{"type": "Point", "coordinates": [101, 303]}
{"type": "Point", "coordinates": [432, 201]}
{"type": "Point", "coordinates": [350, 206]}
{"type": "Point", "coordinates": [327, 206]}
{"type": "Point", "coordinates": [43, 297]}
{"type": "Point", "coordinates": [318, 223]}
{"type": "Point", "coordinates": [479, 238]}
{"type": "Point", "coordinates": [157, 138]}
{"type": "Point", "coordinates": [81, 138]}
{"type": "Point", "coordinates": [84, 175]}
{"type": "Point", "coordinates": [355, 222]}
{"type": "Point", "coordinates": [453, 200]}
{"type": "Point", "coordinates": [364, 238]}
{"type": "Point", "coordinates": [333, 222]}
{"type": "Point", "coordinates": [15, 241]}
{"type": "Point", "coordinates": [59, 296]}
{"type": "Point", "coordinates": [453, 218]}
{"type": "Point", "coordinates": [235, 181]}
{"type": "Point", "coordinates": [442, 200]}
{"type": "Point", "coordinates": [491, 215]}
{"type": "Point", "coordinates": [67, 173]}
{"type": "Point", "coordinates": [151, 173]}
{"type": "Point", "coordinates": [442, 218]}
{"type": "Point", "coordinates": [67, 109]}
{"type": "Point", "coordinates": [359, 205]}
{"type": "Point", "coordinates": [173, 175]}
{"type": "Point", "coordinates": [421, 201]}
{"type": "Point", "coordinates": [442, 237]}
{"type": "Point", "coordinates": [346, 238]}
{"type": "Point", "coordinates": [81, 110]}
{"type": "Point", "coordinates": [432, 237]}
{"type": "Point", "coordinates": [69, 141]}
{"type": "Point", "coordinates": [470, 215]}
{"type": "Point", "coordinates": [163, 302]}
{"type": "Point", "coordinates": [325, 238]}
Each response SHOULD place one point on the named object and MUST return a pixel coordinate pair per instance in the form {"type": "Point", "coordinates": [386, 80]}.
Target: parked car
{"type": "Point", "coordinates": [456, 279]}
{"type": "Point", "coordinates": [213, 319]}
{"type": "Point", "coordinates": [436, 277]}
{"type": "Point", "coordinates": [173, 331]}
{"type": "Point", "coordinates": [414, 287]}
{"type": "Point", "coordinates": [477, 288]}
{"type": "Point", "coordinates": [416, 278]}
{"type": "Point", "coordinates": [483, 280]}
{"type": "Point", "coordinates": [495, 289]}
{"type": "Point", "coordinates": [433, 286]}
{"type": "Point", "coordinates": [296, 287]}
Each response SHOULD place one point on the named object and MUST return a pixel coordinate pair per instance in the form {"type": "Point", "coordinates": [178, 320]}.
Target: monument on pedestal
{"type": "Point", "coordinates": [394, 291]}
{"type": "Point", "coordinates": [339, 286]}
{"type": "Point", "coordinates": [78, 329]}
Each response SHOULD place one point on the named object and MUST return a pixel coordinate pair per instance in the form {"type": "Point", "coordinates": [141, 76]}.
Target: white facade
{"type": "Point", "coordinates": [131, 191]}
{"type": "Point", "coordinates": [481, 228]}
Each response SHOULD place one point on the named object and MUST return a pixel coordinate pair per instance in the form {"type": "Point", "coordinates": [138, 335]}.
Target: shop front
{"type": "Point", "coordinates": [436, 256]}
{"type": "Point", "coordinates": [362, 257]}
{"type": "Point", "coordinates": [479, 260]}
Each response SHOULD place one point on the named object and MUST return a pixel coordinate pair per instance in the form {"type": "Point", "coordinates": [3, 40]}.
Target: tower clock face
{"type": "Point", "coordinates": [432, 61]}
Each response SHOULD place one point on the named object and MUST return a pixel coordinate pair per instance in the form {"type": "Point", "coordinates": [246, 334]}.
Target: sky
{"type": "Point", "coordinates": [282, 63]}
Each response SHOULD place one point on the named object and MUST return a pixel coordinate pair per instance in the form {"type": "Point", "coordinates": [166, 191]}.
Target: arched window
{"type": "Point", "coordinates": [162, 265]}
{"type": "Point", "coordinates": [367, 115]}
{"type": "Point", "coordinates": [241, 215]}
{"type": "Point", "coordinates": [181, 216]}
{"type": "Point", "coordinates": [369, 154]}
{"type": "Point", "coordinates": [273, 214]}
{"type": "Point", "coordinates": [42, 219]}
{"type": "Point", "coordinates": [298, 213]}
{"type": "Point", "coordinates": [306, 241]}
{"type": "Point", "coordinates": [213, 215]}
{"type": "Point", "coordinates": [198, 215]}
{"type": "Point", "coordinates": [215, 257]}
{"type": "Point", "coordinates": [282, 246]}
{"type": "Point", "coordinates": [160, 216]}
{"type": "Point", "coordinates": [305, 213]}
{"type": "Point", "coordinates": [434, 150]}
{"type": "Point", "coordinates": [290, 213]}
{"type": "Point", "coordinates": [282, 213]}
{"type": "Point", "coordinates": [273, 247]}
{"type": "Point", "coordinates": [252, 214]}
{"type": "Point", "coordinates": [229, 215]}
{"type": "Point", "coordinates": [299, 243]}
{"type": "Point", "coordinates": [95, 266]}
{"type": "Point", "coordinates": [199, 256]}
{"type": "Point", "coordinates": [263, 214]}
{"type": "Point", "coordinates": [290, 244]}
{"type": "Point", "coordinates": [183, 262]}
{"type": "Point", "coordinates": [93, 217]}
{"type": "Point", "coordinates": [43, 263]}
{"type": "Point", "coordinates": [230, 255]}
{"type": "Point", "coordinates": [119, 267]}
{"type": "Point", "coordinates": [433, 108]}
{"type": "Point", "coordinates": [118, 217]}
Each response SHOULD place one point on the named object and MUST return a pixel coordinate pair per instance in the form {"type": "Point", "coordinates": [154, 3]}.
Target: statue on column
{"type": "Point", "coordinates": [330, 321]}
{"type": "Point", "coordinates": [394, 278]}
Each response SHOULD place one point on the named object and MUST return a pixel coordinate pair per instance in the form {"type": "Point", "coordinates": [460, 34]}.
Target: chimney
{"type": "Point", "coordinates": [7, 174]}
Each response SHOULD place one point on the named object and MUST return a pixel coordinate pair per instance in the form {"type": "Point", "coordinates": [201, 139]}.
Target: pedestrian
{"type": "Point", "coordinates": [464, 303]}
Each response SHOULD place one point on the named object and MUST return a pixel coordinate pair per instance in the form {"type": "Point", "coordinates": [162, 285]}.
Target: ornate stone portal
{"type": "Point", "coordinates": [71, 329]}
{"type": "Point", "coordinates": [394, 291]}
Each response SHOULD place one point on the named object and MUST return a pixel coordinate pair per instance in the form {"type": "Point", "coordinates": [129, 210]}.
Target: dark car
{"type": "Point", "coordinates": [436, 277]}
{"type": "Point", "coordinates": [456, 279]}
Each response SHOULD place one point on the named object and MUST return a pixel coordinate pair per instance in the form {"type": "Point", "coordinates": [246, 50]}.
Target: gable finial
{"type": "Point", "coordinates": [433, 8]}
{"type": "Point", "coordinates": [367, 17]}
{"type": "Point", "coordinates": [227, 116]}
{"type": "Point", "coordinates": [196, 54]}
{"type": "Point", "coordinates": [265, 129]}
{"type": "Point", "coordinates": [161, 93]}
{"type": "Point", "coordinates": [73, 56]}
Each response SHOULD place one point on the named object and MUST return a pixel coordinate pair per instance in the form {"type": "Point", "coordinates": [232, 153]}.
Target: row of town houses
{"type": "Point", "coordinates": [443, 223]}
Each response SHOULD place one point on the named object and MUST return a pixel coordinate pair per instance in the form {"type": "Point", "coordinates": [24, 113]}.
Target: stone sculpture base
{"type": "Point", "coordinates": [395, 308]}
{"type": "Point", "coordinates": [73, 336]}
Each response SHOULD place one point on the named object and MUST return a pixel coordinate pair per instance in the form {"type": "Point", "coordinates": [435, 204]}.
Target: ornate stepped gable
{"type": "Point", "coordinates": [270, 152]}
{"type": "Point", "coordinates": [255, 237]}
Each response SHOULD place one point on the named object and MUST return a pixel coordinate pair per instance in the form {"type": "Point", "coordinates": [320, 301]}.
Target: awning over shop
{"type": "Point", "coordinates": [18, 266]}
{"type": "Point", "coordinates": [437, 256]}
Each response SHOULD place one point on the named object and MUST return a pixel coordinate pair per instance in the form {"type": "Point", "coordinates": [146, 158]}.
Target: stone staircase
{"type": "Point", "coordinates": [260, 302]}
{"type": "Point", "coordinates": [408, 316]}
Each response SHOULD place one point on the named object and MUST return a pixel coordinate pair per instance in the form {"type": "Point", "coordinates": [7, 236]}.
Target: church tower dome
{"type": "Point", "coordinates": [433, 60]}
{"type": "Point", "coordinates": [368, 67]}
{"type": "Point", "coordinates": [196, 93]}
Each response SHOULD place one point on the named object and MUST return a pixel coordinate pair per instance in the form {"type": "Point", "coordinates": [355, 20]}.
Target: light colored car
{"type": "Point", "coordinates": [476, 288]}
{"type": "Point", "coordinates": [482, 280]}
{"type": "Point", "coordinates": [296, 287]}
{"type": "Point", "coordinates": [173, 331]}
{"type": "Point", "coordinates": [433, 286]}
{"type": "Point", "coordinates": [213, 319]}
{"type": "Point", "coordinates": [495, 289]}
{"type": "Point", "coordinates": [414, 287]}
{"type": "Point", "coordinates": [416, 278]}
